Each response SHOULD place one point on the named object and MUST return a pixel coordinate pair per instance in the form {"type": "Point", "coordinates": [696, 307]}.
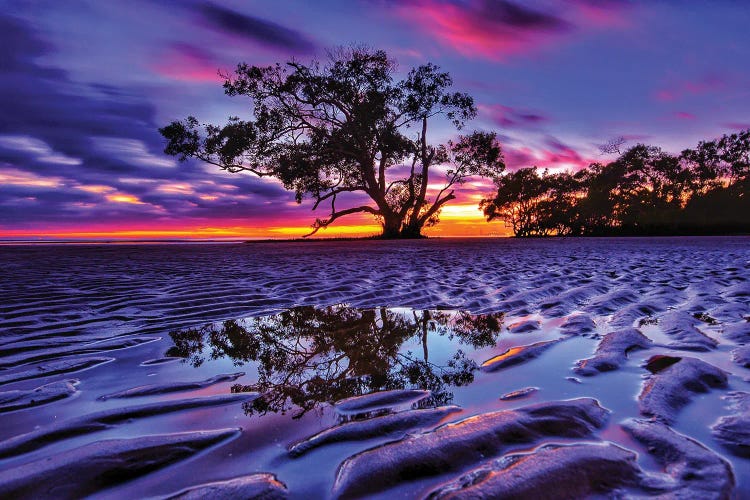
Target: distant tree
{"type": "Point", "coordinates": [704, 163]}
{"type": "Point", "coordinates": [516, 199]}
{"type": "Point", "coordinates": [595, 207]}
{"type": "Point", "coordinates": [559, 207]}
{"type": "Point", "coordinates": [533, 204]}
{"type": "Point", "coordinates": [726, 158]}
{"type": "Point", "coordinates": [644, 191]}
{"type": "Point", "coordinates": [650, 190]}
{"type": "Point", "coordinates": [721, 177]}
{"type": "Point", "coordinates": [342, 128]}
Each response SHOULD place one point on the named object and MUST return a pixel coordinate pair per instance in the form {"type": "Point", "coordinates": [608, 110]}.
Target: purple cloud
{"type": "Point", "coordinates": [252, 28]}
{"type": "Point", "coordinates": [510, 117]}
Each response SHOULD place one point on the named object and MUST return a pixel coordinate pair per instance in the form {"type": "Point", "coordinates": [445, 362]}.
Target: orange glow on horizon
{"type": "Point", "coordinates": [450, 227]}
{"type": "Point", "coordinates": [459, 220]}
{"type": "Point", "coordinates": [456, 220]}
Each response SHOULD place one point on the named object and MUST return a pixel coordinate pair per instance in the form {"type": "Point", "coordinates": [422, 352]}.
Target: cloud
{"type": "Point", "coordinates": [684, 115]}
{"type": "Point", "coordinates": [498, 29]}
{"type": "Point", "coordinates": [737, 125]}
{"type": "Point", "coordinates": [551, 153]}
{"type": "Point", "coordinates": [41, 151]}
{"type": "Point", "coordinates": [681, 89]}
{"type": "Point", "coordinates": [603, 13]}
{"type": "Point", "coordinates": [254, 28]}
{"type": "Point", "coordinates": [508, 14]}
{"type": "Point", "coordinates": [83, 154]}
{"type": "Point", "coordinates": [48, 119]}
{"type": "Point", "coordinates": [510, 117]}
{"type": "Point", "coordinates": [490, 29]}
{"type": "Point", "coordinates": [16, 177]}
{"type": "Point", "coordinates": [188, 63]}
{"type": "Point", "coordinates": [132, 151]}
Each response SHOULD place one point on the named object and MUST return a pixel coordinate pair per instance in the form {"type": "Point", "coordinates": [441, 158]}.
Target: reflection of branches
{"type": "Point", "coordinates": [307, 356]}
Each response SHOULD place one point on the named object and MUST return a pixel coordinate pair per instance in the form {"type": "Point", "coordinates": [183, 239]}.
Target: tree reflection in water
{"type": "Point", "coordinates": [307, 356]}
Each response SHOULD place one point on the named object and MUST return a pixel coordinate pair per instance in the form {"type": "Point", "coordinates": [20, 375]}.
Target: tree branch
{"type": "Point", "coordinates": [321, 223]}
{"type": "Point", "coordinates": [335, 192]}
{"type": "Point", "coordinates": [435, 207]}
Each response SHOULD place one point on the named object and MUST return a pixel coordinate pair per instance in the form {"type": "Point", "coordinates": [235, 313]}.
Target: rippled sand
{"type": "Point", "coordinates": [104, 346]}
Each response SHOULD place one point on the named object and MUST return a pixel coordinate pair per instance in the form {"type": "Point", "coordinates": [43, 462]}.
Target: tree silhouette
{"type": "Point", "coordinates": [533, 205]}
{"type": "Point", "coordinates": [336, 131]}
{"type": "Point", "coordinates": [307, 356]}
{"type": "Point", "coordinates": [649, 189]}
{"type": "Point", "coordinates": [644, 191]}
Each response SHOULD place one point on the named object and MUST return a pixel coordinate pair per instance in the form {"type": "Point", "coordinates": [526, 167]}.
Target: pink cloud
{"type": "Point", "coordinates": [603, 13]}
{"type": "Point", "coordinates": [684, 115]}
{"type": "Point", "coordinates": [681, 89]}
{"type": "Point", "coordinates": [737, 125]}
{"type": "Point", "coordinates": [516, 158]}
{"type": "Point", "coordinates": [556, 155]}
{"type": "Point", "coordinates": [482, 28]}
{"type": "Point", "coordinates": [497, 29]}
{"type": "Point", "coordinates": [185, 62]}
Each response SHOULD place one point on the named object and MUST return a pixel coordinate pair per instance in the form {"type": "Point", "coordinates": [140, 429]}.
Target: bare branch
{"type": "Point", "coordinates": [322, 223]}
{"type": "Point", "coordinates": [612, 146]}
{"type": "Point", "coordinates": [335, 192]}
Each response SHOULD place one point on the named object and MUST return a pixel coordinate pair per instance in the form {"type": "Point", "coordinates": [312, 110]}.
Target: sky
{"type": "Point", "coordinates": [85, 85]}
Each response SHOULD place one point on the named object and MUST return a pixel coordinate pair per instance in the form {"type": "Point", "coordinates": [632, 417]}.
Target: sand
{"type": "Point", "coordinates": [462, 339]}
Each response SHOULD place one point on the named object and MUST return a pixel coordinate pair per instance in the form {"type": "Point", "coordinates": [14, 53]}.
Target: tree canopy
{"type": "Point", "coordinates": [644, 191]}
{"type": "Point", "coordinates": [347, 127]}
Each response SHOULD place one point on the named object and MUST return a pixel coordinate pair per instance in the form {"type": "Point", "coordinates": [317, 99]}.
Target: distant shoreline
{"type": "Point", "coordinates": [348, 239]}
{"type": "Point", "coordinates": [235, 241]}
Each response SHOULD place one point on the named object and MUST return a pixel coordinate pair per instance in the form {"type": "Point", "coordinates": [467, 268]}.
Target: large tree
{"type": "Point", "coordinates": [345, 127]}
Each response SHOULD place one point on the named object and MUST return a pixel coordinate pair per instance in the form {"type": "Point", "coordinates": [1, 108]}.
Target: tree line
{"type": "Point", "coordinates": [645, 191]}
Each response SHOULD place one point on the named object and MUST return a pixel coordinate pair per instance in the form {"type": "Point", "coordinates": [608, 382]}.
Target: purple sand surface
{"type": "Point", "coordinates": [53, 294]}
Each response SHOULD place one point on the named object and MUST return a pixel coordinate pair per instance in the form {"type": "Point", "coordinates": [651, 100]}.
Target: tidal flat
{"type": "Point", "coordinates": [440, 368]}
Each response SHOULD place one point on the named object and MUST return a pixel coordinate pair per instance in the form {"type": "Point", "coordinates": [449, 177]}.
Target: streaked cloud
{"type": "Point", "coordinates": [186, 62]}
{"type": "Point", "coordinates": [510, 117]}
{"type": "Point", "coordinates": [256, 29]}
{"type": "Point", "coordinates": [17, 177]}
{"type": "Point", "coordinates": [131, 151]}
{"type": "Point", "coordinates": [681, 89]}
{"type": "Point", "coordinates": [38, 149]}
{"type": "Point", "coordinates": [491, 29]}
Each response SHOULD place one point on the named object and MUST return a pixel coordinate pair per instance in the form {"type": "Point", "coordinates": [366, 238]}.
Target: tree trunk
{"type": "Point", "coordinates": [412, 231]}
{"type": "Point", "coordinates": [394, 228]}
{"type": "Point", "coordinates": [391, 227]}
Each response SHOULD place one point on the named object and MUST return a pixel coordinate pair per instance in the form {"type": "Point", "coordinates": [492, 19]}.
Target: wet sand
{"type": "Point", "coordinates": [568, 361]}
